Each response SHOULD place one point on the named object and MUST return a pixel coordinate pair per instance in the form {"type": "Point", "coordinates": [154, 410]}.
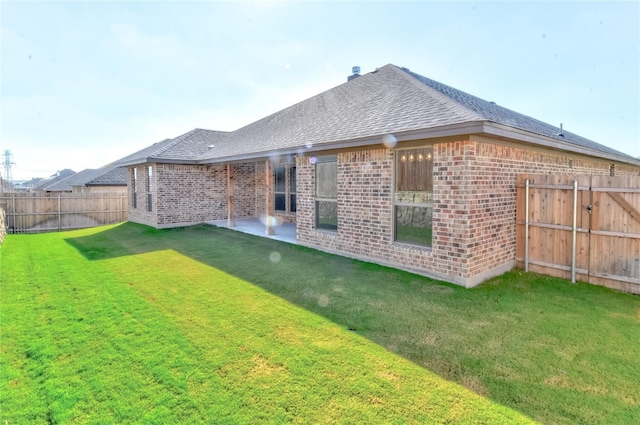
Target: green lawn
{"type": "Point", "coordinates": [127, 324]}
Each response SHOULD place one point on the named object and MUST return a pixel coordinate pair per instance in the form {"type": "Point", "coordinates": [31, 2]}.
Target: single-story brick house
{"type": "Point", "coordinates": [389, 167]}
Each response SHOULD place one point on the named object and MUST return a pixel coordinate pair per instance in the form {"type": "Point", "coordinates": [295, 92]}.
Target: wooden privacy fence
{"type": "Point", "coordinates": [580, 228]}
{"type": "Point", "coordinates": [34, 212]}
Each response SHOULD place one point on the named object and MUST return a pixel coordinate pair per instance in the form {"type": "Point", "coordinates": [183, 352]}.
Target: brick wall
{"type": "Point", "coordinates": [140, 214]}
{"type": "Point", "coordinates": [491, 195]}
{"type": "Point", "coordinates": [181, 195]}
{"type": "Point", "coordinates": [245, 191]}
{"type": "Point", "coordinates": [365, 218]}
{"type": "Point", "coordinates": [473, 209]}
{"type": "Point", "coordinates": [191, 194]}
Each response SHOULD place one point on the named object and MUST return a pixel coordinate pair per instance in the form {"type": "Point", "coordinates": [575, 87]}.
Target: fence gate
{"type": "Point", "coordinates": [580, 228]}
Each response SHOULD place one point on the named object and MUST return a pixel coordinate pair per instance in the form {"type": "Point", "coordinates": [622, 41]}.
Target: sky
{"type": "Point", "coordinates": [83, 84]}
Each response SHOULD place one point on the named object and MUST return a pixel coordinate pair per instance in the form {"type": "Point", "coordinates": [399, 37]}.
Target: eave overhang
{"type": "Point", "coordinates": [483, 128]}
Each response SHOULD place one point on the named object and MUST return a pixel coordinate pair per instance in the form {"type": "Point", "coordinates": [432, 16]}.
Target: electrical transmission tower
{"type": "Point", "coordinates": [8, 178]}
{"type": "Point", "coordinates": [7, 166]}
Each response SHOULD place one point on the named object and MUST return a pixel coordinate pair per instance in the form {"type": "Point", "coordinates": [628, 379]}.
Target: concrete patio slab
{"type": "Point", "coordinates": [285, 232]}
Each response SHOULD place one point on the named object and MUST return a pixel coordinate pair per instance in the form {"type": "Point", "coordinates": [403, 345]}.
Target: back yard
{"type": "Point", "coordinates": [128, 324]}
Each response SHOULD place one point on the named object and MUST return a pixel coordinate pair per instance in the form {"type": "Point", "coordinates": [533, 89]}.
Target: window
{"type": "Point", "coordinates": [280, 189]}
{"type": "Point", "coordinates": [413, 198]}
{"type": "Point", "coordinates": [149, 189]}
{"type": "Point", "coordinates": [284, 188]}
{"type": "Point", "coordinates": [134, 188]}
{"type": "Point", "coordinates": [292, 189]}
{"type": "Point", "coordinates": [327, 193]}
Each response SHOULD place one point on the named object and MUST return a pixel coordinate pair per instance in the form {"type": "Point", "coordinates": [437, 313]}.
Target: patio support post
{"type": "Point", "coordinates": [231, 222]}
{"type": "Point", "coordinates": [268, 211]}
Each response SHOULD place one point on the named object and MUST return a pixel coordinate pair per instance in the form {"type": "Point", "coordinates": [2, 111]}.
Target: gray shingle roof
{"type": "Point", "coordinates": [387, 100]}
{"type": "Point", "coordinates": [495, 113]}
{"type": "Point", "coordinates": [142, 154]}
{"type": "Point", "coordinates": [116, 176]}
{"type": "Point", "coordinates": [105, 176]}
{"type": "Point", "coordinates": [191, 145]}
{"type": "Point", "coordinates": [62, 175]}
{"type": "Point", "coordinates": [381, 102]}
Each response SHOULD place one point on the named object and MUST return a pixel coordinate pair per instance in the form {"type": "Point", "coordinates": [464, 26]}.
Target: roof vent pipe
{"type": "Point", "coordinates": [561, 134]}
{"type": "Point", "coordinates": [356, 73]}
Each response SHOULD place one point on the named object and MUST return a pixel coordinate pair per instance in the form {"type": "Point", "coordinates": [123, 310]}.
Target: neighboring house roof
{"type": "Point", "coordinates": [105, 176]}
{"type": "Point", "coordinates": [77, 179]}
{"type": "Point", "coordinates": [389, 100]}
{"type": "Point", "coordinates": [62, 175]}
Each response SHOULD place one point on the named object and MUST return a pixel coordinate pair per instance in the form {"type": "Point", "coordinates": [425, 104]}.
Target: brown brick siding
{"type": "Point", "coordinates": [491, 198]}
{"type": "Point", "coordinates": [190, 194]}
{"type": "Point", "coordinates": [140, 213]}
{"type": "Point", "coordinates": [474, 206]}
{"type": "Point", "coordinates": [244, 190]}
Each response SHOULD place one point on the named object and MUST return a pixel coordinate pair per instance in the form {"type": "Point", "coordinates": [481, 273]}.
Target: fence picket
{"type": "Point", "coordinates": [41, 212]}
{"type": "Point", "coordinates": [607, 241]}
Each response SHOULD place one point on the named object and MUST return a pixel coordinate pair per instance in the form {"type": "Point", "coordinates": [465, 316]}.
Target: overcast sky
{"type": "Point", "coordinates": [86, 83]}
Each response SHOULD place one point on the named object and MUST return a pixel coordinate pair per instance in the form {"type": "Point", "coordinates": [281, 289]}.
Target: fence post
{"type": "Point", "coordinates": [59, 213]}
{"type": "Point", "coordinates": [574, 231]}
{"type": "Point", "coordinates": [15, 227]}
{"type": "Point", "coordinates": [526, 225]}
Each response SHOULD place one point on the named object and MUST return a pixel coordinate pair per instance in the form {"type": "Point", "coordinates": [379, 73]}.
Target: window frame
{"type": "Point", "coordinates": [150, 188]}
{"type": "Point", "coordinates": [323, 199]}
{"type": "Point", "coordinates": [276, 192]}
{"type": "Point", "coordinates": [293, 189]}
{"type": "Point", "coordinates": [426, 203]}
{"type": "Point", "coordinates": [134, 191]}
{"type": "Point", "coordinates": [289, 193]}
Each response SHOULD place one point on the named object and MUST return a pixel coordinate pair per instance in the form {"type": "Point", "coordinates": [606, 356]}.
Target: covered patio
{"type": "Point", "coordinates": [285, 232]}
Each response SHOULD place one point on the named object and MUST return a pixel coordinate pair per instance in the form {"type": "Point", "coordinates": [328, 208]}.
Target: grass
{"type": "Point", "coordinates": [128, 324]}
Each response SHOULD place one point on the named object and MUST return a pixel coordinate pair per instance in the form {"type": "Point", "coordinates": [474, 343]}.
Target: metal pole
{"type": "Point", "coordinates": [526, 225]}
{"type": "Point", "coordinates": [574, 230]}
{"type": "Point", "coordinates": [59, 213]}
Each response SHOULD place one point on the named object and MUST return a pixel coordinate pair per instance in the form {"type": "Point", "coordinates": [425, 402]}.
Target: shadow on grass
{"type": "Point", "coordinates": [514, 339]}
